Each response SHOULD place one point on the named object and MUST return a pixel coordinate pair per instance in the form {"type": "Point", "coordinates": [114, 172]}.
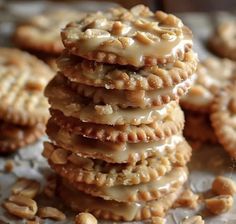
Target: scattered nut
{"type": "Point", "coordinates": [50, 188]}
{"type": "Point", "coordinates": [187, 199]}
{"type": "Point", "coordinates": [21, 206]}
{"type": "Point", "coordinates": [219, 204]}
{"type": "Point", "coordinates": [194, 220]}
{"type": "Point", "coordinates": [9, 166]}
{"type": "Point", "coordinates": [158, 220]}
{"type": "Point", "coordinates": [85, 218]}
{"type": "Point", "coordinates": [52, 213]}
{"type": "Point", "coordinates": [223, 186]}
{"type": "Point", "coordinates": [104, 109]}
{"type": "Point", "coordinates": [26, 187]}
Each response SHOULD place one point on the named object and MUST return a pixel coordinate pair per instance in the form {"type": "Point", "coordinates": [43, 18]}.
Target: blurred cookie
{"type": "Point", "coordinates": [14, 136]}
{"type": "Point", "coordinates": [198, 127]}
{"type": "Point", "coordinates": [136, 37]}
{"type": "Point", "coordinates": [223, 41]}
{"type": "Point", "coordinates": [23, 78]}
{"type": "Point", "coordinates": [42, 32]}
{"type": "Point", "coordinates": [223, 118]}
{"type": "Point", "coordinates": [212, 74]}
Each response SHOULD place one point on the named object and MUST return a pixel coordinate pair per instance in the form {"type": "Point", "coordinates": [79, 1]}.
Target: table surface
{"type": "Point", "coordinates": [207, 162]}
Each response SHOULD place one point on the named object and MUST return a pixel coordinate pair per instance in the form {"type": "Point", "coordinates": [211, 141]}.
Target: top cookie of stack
{"type": "Point", "coordinates": [116, 126]}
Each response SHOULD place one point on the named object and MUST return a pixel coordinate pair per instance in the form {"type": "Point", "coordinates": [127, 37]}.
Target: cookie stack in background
{"type": "Point", "coordinates": [23, 108]}
{"type": "Point", "coordinates": [212, 75]}
{"type": "Point", "coordinates": [116, 125]}
{"type": "Point", "coordinates": [40, 34]}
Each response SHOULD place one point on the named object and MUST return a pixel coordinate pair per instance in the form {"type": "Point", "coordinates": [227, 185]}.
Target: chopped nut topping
{"type": "Point", "coordinates": [143, 38]}
{"type": "Point", "coordinates": [219, 204]}
{"type": "Point", "coordinates": [34, 85]}
{"type": "Point", "coordinates": [85, 218]}
{"type": "Point", "coordinates": [187, 199]}
{"type": "Point", "coordinates": [52, 213]}
{"type": "Point", "coordinates": [197, 90]}
{"type": "Point", "coordinates": [223, 186]}
{"type": "Point", "coordinates": [117, 28]}
{"type": "Point", "coordinates": [167, 36]}
{"type": "Point", "coordinates": [194, 220]}
{"type": "Point", "coordinates": [21, 206]}
{"type": "Point", "coordinates": [104, 109]}
{"type": "Point", "coordinates": [26, 187]}
{"type": "Point", "coordinates": [158, 220]}
{"type": "Point", "coordinates": [160, 15]}
{"type": "Point", "coordinates": [59, 156]}
{"type": "Point", "coordinates": [141, 10]}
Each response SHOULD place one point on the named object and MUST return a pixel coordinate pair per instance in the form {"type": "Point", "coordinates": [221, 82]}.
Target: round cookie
{"type": "Point", "coordinates": [23, 79]}
{"type": "Point", "coordinates": [42, 32]}
{"type": "Point", "coordinates": [212, 73]}
{"type": "Point", "coordinates": [155, 131]}
{"type": "Point", "coordinates": [149, 78]}
{"type": "Point", "coordinates": [198, 127]}
{"type": "Point", "coordinates": [136, 37]}
{"type": "Point", "coordinates": [98, 172]}
{"type": "Point", "coordinates": [111, 152]}
{"type": "Point", "coordinates": [152, 190]}
{"type": "Point", "coordinates": [62, 98]}
{"type": "Point", "coordinates": [223, 118]}
{"type": "Point", "coordinates": [223, 41]}
{"type": "Point", "coordinates": [116, 211]}
{"type": "Point", "coordinates": [14, 136]}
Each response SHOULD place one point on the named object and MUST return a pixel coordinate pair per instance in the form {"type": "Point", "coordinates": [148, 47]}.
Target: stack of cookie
{"type": "Point", "coordinates": [116, 126]}
{"type": "Point", "coordinates": [212, 75]}
{"type": "Point", "coordinates": [23, 108]}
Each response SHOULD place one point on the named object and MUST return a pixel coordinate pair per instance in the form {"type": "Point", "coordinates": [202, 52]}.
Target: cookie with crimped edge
{"type": "Point", "coordinates": [138, 98]}
{"type": "Point", "coordinates": [116, 211]}
{"type": "Point", "coordinates": [15, 136]}
{"type": "Point", "coordinates": [98, 172]}
{"type": "Point", "coordinates": [92, 73]}
{"type": "Point", "coordinates": [23, 78]}
{"type": "Point", "coordinates": [42, 32]}
{"type": "Point", "coordinates": [223, 118]}
{"type": "Point", "coordinates": [119, 152]}
{"type": "Point", "coordinates": [222, 42]}
{"type": "Point", "coordinates": [198, 127]}
{"type": "Point", "coordinates": [152, 190]}
{"type": "Point", "coordinates": [136, 37]}
{"type": "Point", "coordinates": [62, 98]}
{"type": "Point", "coordinates": [123, 133]}
{"type": "Point", "coordinates": [212, 73]}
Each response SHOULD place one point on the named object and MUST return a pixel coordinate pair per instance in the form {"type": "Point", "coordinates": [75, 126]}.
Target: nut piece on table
{"type": "Point", "coordinates": [223, 186]}
{"type": "Point", "coordinates": [194, 220]}
{"type": "Point", "coordinates": [158, 220]}
{"type": "Point", "coordinates": [187, 199]}
{"type": "Point", "coordinates": [21, 206]}
{"type": "Point", "coordinates": [26, 187]}
{"type": "Point", "coordinates": [51, 213]}
{"type": "Point", "coordinates": [219, 204]}
{"type": "Point", "coordinates": [9, 166]}
{"type": "Point", "coordinates": [85, 218]}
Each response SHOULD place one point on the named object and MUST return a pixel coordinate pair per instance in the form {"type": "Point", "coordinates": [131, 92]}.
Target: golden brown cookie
{"type": "Point", "coordinates": [96, 74]}
{"type": "Point", "coordinates": [23, 78]}
{"type": "Point", "coordinates": [198, 127]}
{"type": "Point", "coordinates": [223, 41]}
{"type": "Point", "coordinates": [152, 190]}
{"type": "Point", "coordinates": [212, 73]}
{"type": "Point", "coordinates": [15, 136]}
{"type": "Point", "coordinates": [78, 169]}
{"type": "Point", "coordinates": [123, 133]}
{"type": "Point", "coordinates": [116, 211]}
{"type": "Point", "coordinates": [62, 98]}
{"type": "Point", "coordinates": [223, 118]}
{"type": "Point", "coordinates": [42, 32]}
{"type": "Point", "coordinates": [136, 37]}
{"type": "Point", "coordinates": [111, 152]}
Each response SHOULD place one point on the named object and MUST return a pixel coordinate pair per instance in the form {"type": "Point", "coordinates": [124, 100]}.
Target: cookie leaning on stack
{"type": "Point", "coordinates": [116, 126]}
{"type": "Point", "coordinates": [23, 108]}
